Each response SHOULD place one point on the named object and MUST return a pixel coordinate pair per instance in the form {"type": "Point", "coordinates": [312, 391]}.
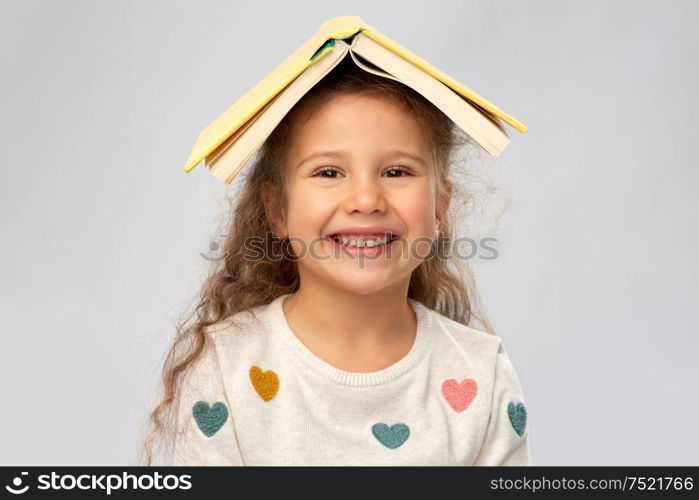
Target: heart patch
{"type": "Point", "coordinates": [391, 437]}
{"type": "Point", "coordinates": [266, 383]}
{"type": "Point", "coordinates": [518, 416]}
{"type": "Point", "coordinates": [459, 395]}
{"type": "Point", "coordinates": [209, 418]}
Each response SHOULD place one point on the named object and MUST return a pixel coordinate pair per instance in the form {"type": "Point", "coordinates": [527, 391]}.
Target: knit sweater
{"type": "Point", "coordinates": [259, 396]}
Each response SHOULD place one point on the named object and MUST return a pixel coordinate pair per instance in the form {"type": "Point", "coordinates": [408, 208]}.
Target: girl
{"type": "Point", "coordinates": [334, 332]}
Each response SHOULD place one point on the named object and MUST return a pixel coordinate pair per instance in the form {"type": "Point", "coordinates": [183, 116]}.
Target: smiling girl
{"type": "Point", "coordinates": [346, 340]}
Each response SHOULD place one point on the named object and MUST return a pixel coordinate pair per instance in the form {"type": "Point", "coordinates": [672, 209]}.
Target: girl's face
{"type": "Point", "coordinates": [359, 161]}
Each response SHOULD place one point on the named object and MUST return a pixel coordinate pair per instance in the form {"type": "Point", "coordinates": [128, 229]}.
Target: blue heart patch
{"type": "Point", "coordinates": [391, 437]}
{"type": "Point", "coordinates": [518, 416]}
{"type": "Point", "coordinates": [209, 418]}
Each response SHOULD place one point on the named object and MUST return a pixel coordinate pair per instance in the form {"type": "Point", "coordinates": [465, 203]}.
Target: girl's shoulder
{"type": "Point", "coordinates": [483, 355]}
{"type": "Point", "coordinates": [475, 347]}
{"type": "Point", "coordinates": [466, 336]}
{"type": "Point", "coordinates": [245, 324]}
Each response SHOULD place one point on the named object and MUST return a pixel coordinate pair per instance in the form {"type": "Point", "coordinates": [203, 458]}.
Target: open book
{"type": "Point", "coordinates": [228, 143]}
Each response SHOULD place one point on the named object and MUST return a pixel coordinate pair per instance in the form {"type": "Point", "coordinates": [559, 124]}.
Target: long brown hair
{"type": "Point", "coordinates": [235, 283]}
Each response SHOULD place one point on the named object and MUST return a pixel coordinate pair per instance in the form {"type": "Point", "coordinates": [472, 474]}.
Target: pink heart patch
{"type": "Point", "coordinates": [459, 395]}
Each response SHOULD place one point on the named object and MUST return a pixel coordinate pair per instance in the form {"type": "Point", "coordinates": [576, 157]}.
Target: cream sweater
{"type": "Point", "coordinates": [259, 396]}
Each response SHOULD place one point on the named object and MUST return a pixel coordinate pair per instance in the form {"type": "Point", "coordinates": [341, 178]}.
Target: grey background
{"type": "Point", "coordinates": [595, 287]}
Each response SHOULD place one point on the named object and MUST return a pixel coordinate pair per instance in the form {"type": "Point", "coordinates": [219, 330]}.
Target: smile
{"type": "Point", "coordinates": [362, 241]}
{"type": "Point", "coordinates": [362, 245]}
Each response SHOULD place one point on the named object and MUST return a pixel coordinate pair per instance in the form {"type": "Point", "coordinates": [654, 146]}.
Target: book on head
{"type": "Point", "coordinates": [228, 143]}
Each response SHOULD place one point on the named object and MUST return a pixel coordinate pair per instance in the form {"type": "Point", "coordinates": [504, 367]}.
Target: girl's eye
{"type": "Point", "coordinates": [320, 172]}
{"type": "Point", "coordinates": [323, 170]}
{"type": "Point", "coordinates": [404, 170]}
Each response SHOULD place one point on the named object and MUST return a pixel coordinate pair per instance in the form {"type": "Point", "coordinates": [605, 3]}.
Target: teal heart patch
{"type": "Point", "coordinates": [391, 437]}
{"type": "Point", "coordinates": [518, 416]}
{"type": "Point", "coordinates": [209, 418]}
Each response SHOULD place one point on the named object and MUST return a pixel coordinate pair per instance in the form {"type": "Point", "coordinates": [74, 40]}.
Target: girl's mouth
{"type": "Point", "coordinates": [363, 245]}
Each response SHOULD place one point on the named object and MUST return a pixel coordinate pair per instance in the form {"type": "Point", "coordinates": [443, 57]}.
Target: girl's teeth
{"type": "Point", "coordinates": [362, 242]}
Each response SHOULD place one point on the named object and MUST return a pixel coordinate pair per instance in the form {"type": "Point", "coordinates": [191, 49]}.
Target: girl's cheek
{"type": "Point", "coordinates": [308, 219]}
{"type": "Point", "coordinates": [420, 214]}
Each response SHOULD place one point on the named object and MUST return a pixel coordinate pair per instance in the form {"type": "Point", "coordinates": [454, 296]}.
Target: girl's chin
{"type": "Point", "coordinates": [367, 281]}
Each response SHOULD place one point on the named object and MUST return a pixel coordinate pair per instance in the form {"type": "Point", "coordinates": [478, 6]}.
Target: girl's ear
{"type": "Point", "coordinates": [273, 211]}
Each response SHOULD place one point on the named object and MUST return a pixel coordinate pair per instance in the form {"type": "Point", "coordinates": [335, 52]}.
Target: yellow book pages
{"type": "Point", "coordinates": [223, 127]}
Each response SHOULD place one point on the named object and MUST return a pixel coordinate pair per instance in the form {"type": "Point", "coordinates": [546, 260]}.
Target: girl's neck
{"type": "Point", "coordinates": [373, 330]}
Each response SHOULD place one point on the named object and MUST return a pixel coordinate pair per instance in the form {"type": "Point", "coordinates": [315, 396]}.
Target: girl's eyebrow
{"type": "Point", "coordinates": [328, 154]}
{"type": "Point", "coordinates": [394, 153]}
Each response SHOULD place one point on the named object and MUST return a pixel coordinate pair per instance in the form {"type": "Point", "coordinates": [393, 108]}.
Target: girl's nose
{"type": "Point", "coordinates": [365, 194]}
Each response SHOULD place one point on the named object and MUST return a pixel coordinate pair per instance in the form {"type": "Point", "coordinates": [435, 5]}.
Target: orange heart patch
{"type": "Point", "coordinates": [265, 383]}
